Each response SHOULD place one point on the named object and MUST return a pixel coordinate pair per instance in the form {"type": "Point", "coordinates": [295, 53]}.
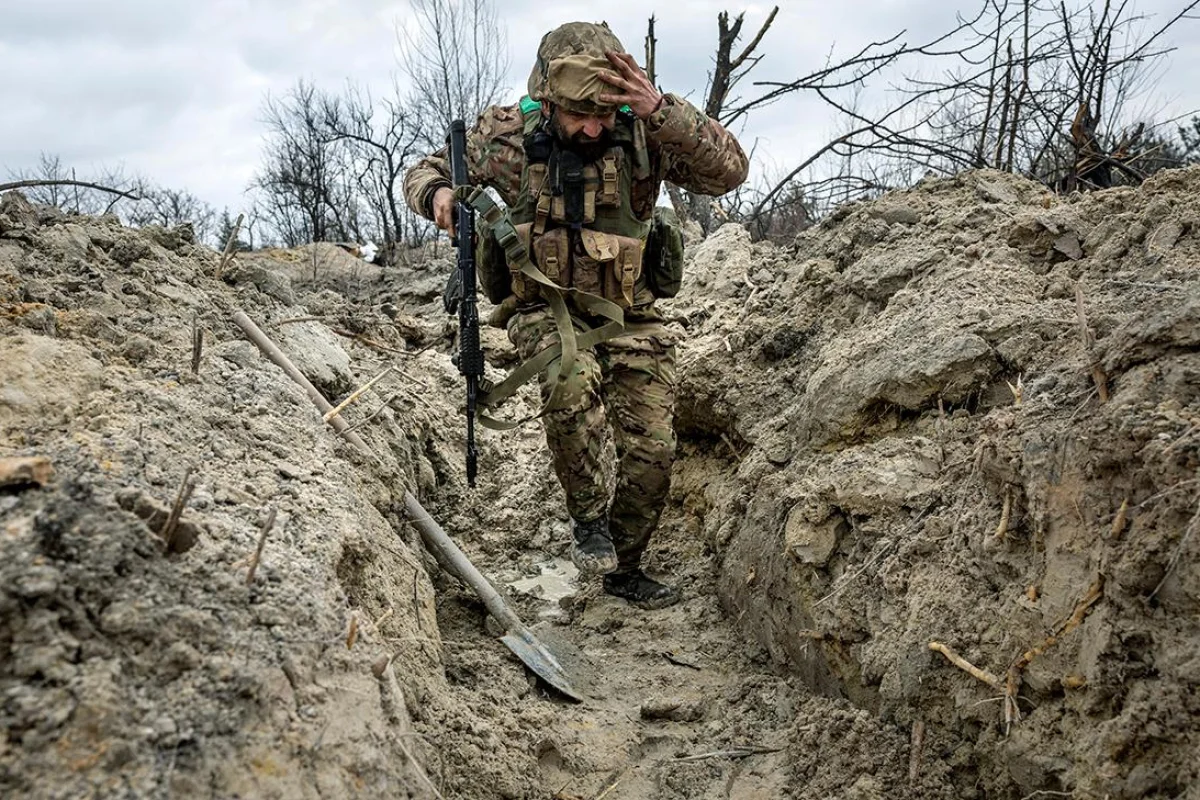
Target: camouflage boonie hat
{"type": "Point", "coordinates": [569, 61]}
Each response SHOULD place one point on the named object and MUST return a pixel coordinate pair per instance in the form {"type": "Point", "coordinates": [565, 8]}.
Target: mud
{"type": "Point", "coordinates": [849, 445]}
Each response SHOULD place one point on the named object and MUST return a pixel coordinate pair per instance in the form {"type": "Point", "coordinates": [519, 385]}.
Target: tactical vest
{"type": "Point", "coordinates": [581, 249]}
{"type": "Point", "coordinates": [590, 240]}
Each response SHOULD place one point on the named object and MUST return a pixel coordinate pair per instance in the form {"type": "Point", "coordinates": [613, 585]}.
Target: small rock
{"type": "Point", "coordinates": [130, 248]}
{"type": "Point", "coordinates": [237, 351]}
{"type": "Point", "coordinates": [291, 471]}
{"type": "Point", "coordinates": [1068, 245]}
{"type": "Point", "coordinates": [1164, 238]}
{"type": "Point", "coordinates": [38, 581]}
{"type": "Point", "coordinates": [137, 349]}
{"type": "Point", "coordinates": [26, 471]}
{"type": "Point", "coordinates": [267, 281]}
{"type": "Point", "coordinates": [809, 543]}
{"type": "Point", "coordinates": [899, 215]}
{"type": "Point", "coordinates": [994, 192]}
{"type": "Point", "coordinates": [673, 710]}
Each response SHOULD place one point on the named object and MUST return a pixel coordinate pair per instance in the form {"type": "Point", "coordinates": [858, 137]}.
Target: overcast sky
{"type": "Point", "coordinates": [173, 89]}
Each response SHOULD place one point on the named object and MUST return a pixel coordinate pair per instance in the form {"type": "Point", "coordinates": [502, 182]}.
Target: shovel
{"type": "Point", "coordinates": [517, 637]}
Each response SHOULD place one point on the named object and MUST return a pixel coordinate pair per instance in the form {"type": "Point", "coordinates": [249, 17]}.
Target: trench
{"type": "Point", "coordinates": [680, 703]}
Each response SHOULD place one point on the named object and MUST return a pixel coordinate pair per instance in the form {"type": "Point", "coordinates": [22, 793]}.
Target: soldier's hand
{"type": "Point", "coordinates": [636, 90]}
{"type": "Point", "coordinates": [443, 209]}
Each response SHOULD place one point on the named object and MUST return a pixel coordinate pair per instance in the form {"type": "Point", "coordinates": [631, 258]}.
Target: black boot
{"type": "Point", "coordinates": [593, 552]}
{"type": "Point", "coordinates": [641, 590]}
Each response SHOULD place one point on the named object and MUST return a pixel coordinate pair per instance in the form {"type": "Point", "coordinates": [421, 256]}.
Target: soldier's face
{"type": "Point", "coordinates": [583, 128]}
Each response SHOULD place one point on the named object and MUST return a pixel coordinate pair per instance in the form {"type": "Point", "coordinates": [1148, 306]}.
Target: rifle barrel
{"type": "Point", "coordinates": [470, 353]}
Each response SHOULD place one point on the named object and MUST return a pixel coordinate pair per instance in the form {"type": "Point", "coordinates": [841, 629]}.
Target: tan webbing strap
{"type": "Point", "coordinates": [609, 180]}
{"type": "Point", "coordinates": [556, 296]}
{"type": "Point", "coordinates": [533, 367]}
{"type": "Point", "coordinates": [538, 188]}
{"type": "Point", "coordinates": [629, 265]}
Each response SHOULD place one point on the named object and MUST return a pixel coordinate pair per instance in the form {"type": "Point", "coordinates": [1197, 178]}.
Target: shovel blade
{"type": "Point", "coordinates": [538, 658]}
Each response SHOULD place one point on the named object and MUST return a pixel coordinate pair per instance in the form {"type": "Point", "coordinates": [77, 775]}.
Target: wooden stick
{"type": "Point", "coordinates": [966, 666]}
{"type": "Point", "coordinates": [397, 710]}
{"type": "Point", "coordinates": [737, 752]}
{"type": "Point", "coordinates": [352, 631]}
{"type": "Point", "coordinates": [358, 337]}
{"type": "Point", "coordinates": [167, 534]}
{"type": "Point", "coordinates": [22, 184]}
{"type": "Point", "coordinates": [1012, 683]}
{"type": "Point", "coordinates": [916, 750]}
{"type": "Point", "coordinates": [262, 540]}
{"type": "Point", "coordinates": [227, 254]}
{"type": "Point", "coordinates": [1005, 514]}
{"type": "Point", "coordinates": [1018, 391]}
{"type": "Point", "coordinates": [611, 786]}
{"type": "Point", "coordinates": [197, 344]}
{"type": "Point", "coordinates": [1085, 335]}
{"type": "Point", "coordinates": [1118, 523]}
{"type": "Point", "coordinates": [337, 410]}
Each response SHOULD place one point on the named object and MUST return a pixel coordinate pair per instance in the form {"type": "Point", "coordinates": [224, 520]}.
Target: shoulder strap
{"type": "Point", "coordinates": [559, 358]}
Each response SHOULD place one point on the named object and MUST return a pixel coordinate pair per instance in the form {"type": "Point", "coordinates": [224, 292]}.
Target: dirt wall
{"type": "Point", "coordinates": [930, 450]}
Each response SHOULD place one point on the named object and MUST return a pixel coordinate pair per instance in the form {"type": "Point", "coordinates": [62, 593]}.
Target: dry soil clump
{"type": "Point", "coordinates": [966, 414]}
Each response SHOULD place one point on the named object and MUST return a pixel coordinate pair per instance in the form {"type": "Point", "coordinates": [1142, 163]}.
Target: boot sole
{"type": "Point", "coordinates": [593, 565]}
{"type": "Point", "coordinates": [652, 604]}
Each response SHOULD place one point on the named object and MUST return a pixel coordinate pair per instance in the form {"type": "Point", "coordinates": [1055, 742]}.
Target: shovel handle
{"type": "Point", "coordinates": [449, 553]}
{"type": "Point", "coordinates": [436, 539]}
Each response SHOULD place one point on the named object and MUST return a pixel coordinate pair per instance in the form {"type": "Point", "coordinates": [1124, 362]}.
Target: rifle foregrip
{"type": "Point", "coordinates": [470, 356]}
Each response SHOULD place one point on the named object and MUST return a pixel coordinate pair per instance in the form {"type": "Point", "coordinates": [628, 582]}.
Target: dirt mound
{"type": "Point", "coordinates": [893, 432]}
{"type": "Point", "coordinates": [131, 669]}
{"type": "Point", "coordinates": [932, 449]}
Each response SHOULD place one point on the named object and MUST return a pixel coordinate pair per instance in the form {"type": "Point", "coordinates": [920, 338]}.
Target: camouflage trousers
{"type": "Point", "coordinates": [628, 384]}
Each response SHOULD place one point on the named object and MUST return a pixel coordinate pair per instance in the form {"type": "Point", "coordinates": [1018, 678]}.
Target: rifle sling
{"type": "Point", "coordinates": [558, 358]}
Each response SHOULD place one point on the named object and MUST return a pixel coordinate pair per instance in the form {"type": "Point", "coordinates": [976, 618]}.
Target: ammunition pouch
{"type": "Point", "coordinates": [663, 263]}
{"type": "Point", "coordinates": [603, 264]}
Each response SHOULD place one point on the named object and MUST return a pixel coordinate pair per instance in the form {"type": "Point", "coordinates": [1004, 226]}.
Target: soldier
{"type": "Point", "coordinates": [579, 163]}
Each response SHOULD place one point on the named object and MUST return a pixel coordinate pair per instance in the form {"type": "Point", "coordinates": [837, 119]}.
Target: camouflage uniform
{"type": "Point", "coordinates": [629, 379]}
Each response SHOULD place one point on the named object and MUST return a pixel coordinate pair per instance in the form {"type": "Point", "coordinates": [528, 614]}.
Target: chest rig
{"type": "Point", "coordinates": [577, 218]}
{"type": "Point", "coordinates": [570, 241]}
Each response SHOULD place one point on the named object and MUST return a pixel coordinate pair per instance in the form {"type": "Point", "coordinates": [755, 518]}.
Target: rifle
{"type": "Point", "coordinates": [460, 294]}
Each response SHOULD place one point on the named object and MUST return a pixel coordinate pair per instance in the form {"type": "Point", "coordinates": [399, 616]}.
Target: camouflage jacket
{"type": "Point", "coordinates": [686, 147]}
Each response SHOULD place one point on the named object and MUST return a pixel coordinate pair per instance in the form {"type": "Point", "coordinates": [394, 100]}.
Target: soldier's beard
{"type": "Point", "coordinates": [587, 148]}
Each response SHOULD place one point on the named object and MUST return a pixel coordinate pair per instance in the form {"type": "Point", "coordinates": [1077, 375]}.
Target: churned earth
{"type": "Point", "coordinates": [967, 414]}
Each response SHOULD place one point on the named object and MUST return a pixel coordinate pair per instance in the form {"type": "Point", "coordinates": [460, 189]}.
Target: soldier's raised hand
{"type": "Point", "coordinates": [637, 91]}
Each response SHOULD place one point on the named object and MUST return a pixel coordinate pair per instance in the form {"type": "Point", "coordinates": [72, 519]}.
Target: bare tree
{"type": "Point", "coordinates": [304, 182]}
{"type": "Point", "coordinates": [171, 207]}
{"type": "Point", "coordinates": [1010, 81]}
{"type": "Point", "coordinates": [728, 70]}
{"type": "Point", "coordinates": [1022, 76]}
{"type": "Point", "coordinates": [454, 54]}
{"type": "Point", "coordinates": [381, 140]}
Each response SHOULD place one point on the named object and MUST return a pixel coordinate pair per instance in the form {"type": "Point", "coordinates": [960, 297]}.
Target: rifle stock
{"type": "Point", "coordinates": [470, 354]}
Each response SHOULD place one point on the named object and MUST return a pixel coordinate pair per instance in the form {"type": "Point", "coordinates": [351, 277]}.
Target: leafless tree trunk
{"type": "Point", "coordinates": [455, 55]}
{"type": "Point", "coordinates": [381, 141]}
{"type": "Point", "coordinates": [728, 70]}
{"type": "Point", "coordinates": [304, 181]}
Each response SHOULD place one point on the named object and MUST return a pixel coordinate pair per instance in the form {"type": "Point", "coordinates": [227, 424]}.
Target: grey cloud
{"type": "Point", "coordinates": [174, 88]}
{"type": "Point", "coordinates": [129, 22]}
